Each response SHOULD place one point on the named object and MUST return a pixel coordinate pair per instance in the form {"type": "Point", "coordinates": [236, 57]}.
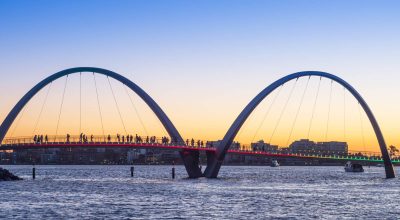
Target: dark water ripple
{"type": "Point", "coordinates": [108, 192]}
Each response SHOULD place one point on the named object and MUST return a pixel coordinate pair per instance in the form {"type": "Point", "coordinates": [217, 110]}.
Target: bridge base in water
{"type": "Point", "coordinates": [213, 165]}
{"type": "Point", "coordinates": [191, 159]}
{"type": "Point", "coordinates": [389, 170]}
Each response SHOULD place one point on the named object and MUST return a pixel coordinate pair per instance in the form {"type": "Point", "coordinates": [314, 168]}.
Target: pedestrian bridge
{"type": "Point", "coordinates": [25, 143]}
{"type": "Point", "coordinates": [190, 153]}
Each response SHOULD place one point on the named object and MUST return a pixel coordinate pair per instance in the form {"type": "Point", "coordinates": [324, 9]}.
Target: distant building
{"type": "Point", "coordinates": [234, 145]}
{"type": "Point", "coordinates": [302, 146]}
{"type": "Point", "coordinates": [333, 147]}
{"type": "Point", "coordinates": [262, 146]}
{"type": "Point", "coordinates": [308, 146]}
{"type": "Point", "coordinates": [132, 155]}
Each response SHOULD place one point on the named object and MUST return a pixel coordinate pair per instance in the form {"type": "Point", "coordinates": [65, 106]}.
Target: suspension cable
{"type": "Point", "coordinates": [136, 111]}
{"type": "Point", "coordinates": [116, 104]}
{"type": "Point", "coordinates": [41, 109]}
{"type": "Point", "coordinates": [267, 113]}
{"type": "Point", "coordinates": [329, 112]}
{"type": "Point", "coordinates": [284, 108]}
{"type": "Point", "coordinates": [298, 110]}
{"type": "Point", "coordinates": [98, 105]}
{"type": "Point", "coordinates": [313, 109]}
{"type": "Point", "coordinates": [62, 103]}
{"type": "Point", "coordinates": [362, 126]}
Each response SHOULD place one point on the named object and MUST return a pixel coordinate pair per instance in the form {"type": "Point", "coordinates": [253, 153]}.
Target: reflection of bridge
{"type": "Point", "coordinates": [189, 154]}
{"type": "Point", "coordinates": [25, 143]}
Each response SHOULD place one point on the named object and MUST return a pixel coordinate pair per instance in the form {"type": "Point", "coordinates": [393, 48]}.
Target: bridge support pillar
{"type": "Point", "coordinates": [191, 159]}
{"type": "Point", "coordinates": [389, 170]}
{"type": "Point", "coordinates": [213, 165]}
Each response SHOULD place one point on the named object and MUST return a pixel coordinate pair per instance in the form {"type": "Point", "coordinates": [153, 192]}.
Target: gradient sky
{"type": "Point", "coordinates": [203, 61]}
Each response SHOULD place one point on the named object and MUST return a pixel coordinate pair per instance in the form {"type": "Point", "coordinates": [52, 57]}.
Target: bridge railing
{"type": "Point", "coordinates": [195, 144]}
{"type": "Point", "coordinates": [100, 139]}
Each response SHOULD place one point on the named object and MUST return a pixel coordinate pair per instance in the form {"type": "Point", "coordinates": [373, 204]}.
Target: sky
{"type": "Point", "coordinates": [203, 61]}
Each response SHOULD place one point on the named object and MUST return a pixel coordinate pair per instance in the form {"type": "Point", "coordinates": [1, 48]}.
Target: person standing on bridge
{"type": "Point", "coordinates": [35, 139]}
{"type": "Point", "coordinates": [91, 138]}
{"type": "Point", "coordinates": [123, 139]}
{"type": "Point", "coordinates": [46, 139]}
{"type": "Point", "coordinates": [192, 142]}
{"type": "Point", "coordinates": [201, 144]}
{"type": "Point", "coordinates": [147, 139]}
{"type": "Point", "coordinates": [68, 137]}
{"type": "Point", "coordinates": [118, 138]}
{"type": "Point", "coordinates": [81, 137]}
{"type": "Point", "coordinates": [109, 138]}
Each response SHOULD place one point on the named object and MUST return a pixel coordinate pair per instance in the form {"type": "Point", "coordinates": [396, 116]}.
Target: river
{"type": "Point", "coordinates": [241, 192]}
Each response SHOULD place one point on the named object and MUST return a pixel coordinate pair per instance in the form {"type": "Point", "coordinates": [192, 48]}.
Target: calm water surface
{"type": "Point", "coordinates": [108, 192]}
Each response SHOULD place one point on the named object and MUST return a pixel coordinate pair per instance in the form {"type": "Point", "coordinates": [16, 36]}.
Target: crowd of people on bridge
{"type": "Point", "coordinates": [120, 139]}
{"type": "Point", "coordinates": [124, 139]}
{"type": "Point", "coordinates": [197, 143]}
{"type": "Point", "coordinates": [40, 139]}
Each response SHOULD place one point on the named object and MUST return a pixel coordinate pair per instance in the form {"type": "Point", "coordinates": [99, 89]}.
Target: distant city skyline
{"type": "Point", "coordinates": [203, 70]}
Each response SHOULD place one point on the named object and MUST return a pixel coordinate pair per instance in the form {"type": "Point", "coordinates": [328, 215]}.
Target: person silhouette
{"type": "Point", "coordinates": [81, 137]}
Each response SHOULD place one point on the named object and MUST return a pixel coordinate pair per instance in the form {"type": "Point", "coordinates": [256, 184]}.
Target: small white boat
{"type": "Point", "coordinates": [353, 167]}
{"type": "Point", "coordinates": [274, 163]}
{"type": "Point", "coordinates": [379, 165]}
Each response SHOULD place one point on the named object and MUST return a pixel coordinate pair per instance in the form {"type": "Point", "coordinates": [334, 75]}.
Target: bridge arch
{"type": "Point", "coordinates": [191, 168]}
{"type": "Point", "coordinates": [214, 166]}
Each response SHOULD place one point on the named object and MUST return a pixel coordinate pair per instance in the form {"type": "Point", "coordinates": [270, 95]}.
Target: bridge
{"type": "Point", "coordinates": [146, 142]}
{"type": "Point", "coordinates": [190, 153]}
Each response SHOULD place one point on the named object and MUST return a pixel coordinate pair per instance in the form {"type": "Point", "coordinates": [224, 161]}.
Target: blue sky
{"type": "Point", "coordinates": [204, 60]}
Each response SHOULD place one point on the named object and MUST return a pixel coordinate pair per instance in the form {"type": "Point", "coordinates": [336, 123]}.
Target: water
{"type": "Point", "coordinates": [108, 192]}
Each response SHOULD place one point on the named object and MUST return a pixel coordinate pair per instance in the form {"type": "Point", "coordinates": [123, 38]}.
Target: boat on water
{"type": "Point", "coordinates": [274, 163]}
{"type": "Point", "coordinates": [379, 165]}
{"type": "Point", "coordinates": [353, 167]}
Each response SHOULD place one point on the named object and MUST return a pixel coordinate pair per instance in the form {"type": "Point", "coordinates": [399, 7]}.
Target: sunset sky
{"type": "Point", "coordinates": [202, 62]}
